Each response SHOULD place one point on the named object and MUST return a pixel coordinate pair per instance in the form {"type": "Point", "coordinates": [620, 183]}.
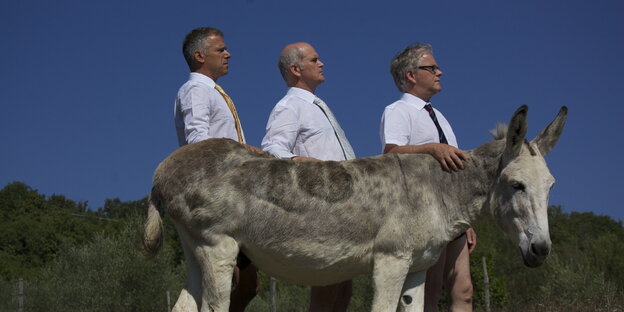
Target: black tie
{"type": "Point", "coordinates": [437, 124]}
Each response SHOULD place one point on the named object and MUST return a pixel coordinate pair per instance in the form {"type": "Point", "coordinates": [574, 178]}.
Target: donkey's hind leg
{"type": "Point", "coordinates": [190, 296]}
{"type": "Point", "coordinates": [217, 262]}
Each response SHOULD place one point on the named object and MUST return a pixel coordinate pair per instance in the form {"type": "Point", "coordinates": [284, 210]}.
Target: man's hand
{"type": "Point", "coordinates": [450, 157]}
{"type": "Point", "coordinates": [471, 239]}
{"type": "Point", "coordinates": [254, 149]}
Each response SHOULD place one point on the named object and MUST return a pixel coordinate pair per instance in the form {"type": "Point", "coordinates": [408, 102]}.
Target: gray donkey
{"type": "Point", "coordinates": [319, 223]}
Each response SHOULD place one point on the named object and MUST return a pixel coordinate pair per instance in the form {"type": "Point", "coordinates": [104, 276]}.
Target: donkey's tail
{"type": "Point", "coordinates": [153, 230]}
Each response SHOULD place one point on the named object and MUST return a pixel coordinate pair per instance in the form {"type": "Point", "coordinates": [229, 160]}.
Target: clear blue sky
{"type": "Point", "coordinates": [87, 87]}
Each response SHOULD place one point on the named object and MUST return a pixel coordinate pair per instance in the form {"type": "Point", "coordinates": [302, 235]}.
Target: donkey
{"type": "Point", "coordinates": [319, 223]}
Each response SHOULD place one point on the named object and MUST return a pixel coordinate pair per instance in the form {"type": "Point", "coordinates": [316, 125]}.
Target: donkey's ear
{"type": "Point", "coordinates": [546, 139]}
{"type": "Point", "coordinates": [515, 133]}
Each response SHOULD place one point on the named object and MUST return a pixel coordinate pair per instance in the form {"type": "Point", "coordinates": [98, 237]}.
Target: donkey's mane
{"type": "Point", "coordinates": [500, 132]}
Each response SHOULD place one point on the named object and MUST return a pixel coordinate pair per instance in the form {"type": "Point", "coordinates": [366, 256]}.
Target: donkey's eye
{"type": "Point", "coordinates": [517, 185]}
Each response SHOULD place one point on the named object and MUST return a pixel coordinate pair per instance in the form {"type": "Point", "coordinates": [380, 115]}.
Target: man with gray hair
{"type": "Point", "coordinates": [303, 128]}
{"type": "Point", "coordinates": [412, 125]}
{"type": "Point", "coordinates": [203, 111]}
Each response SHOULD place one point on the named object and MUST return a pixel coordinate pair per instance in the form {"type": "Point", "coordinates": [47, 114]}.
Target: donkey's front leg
{"type": "Point", "coordinates": [413, 293]}
{"type": "Point", "coordinates": [388, 276]}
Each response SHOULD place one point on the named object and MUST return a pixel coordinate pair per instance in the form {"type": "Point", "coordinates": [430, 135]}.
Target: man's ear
{"type": "Point", "coordinates": [295, 70]}
{"type": "Point", "coordinates": [199, 57]}
{"type": "Point", "coordinates": [410, 76]}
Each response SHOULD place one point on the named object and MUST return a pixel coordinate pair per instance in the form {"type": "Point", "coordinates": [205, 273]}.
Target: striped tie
{"type": "Point", "coordinates": [432, 114]}
{"type": "Point", "coordinates": [347, 150]}
{"type": "Point", "coordinates": [230, 104]}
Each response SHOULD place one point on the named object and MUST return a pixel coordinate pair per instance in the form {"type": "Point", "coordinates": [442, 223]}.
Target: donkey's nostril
{"type": "Point", "coordinates": [540, 249]}
{"type": "Point", "coordinates": [407, 299]}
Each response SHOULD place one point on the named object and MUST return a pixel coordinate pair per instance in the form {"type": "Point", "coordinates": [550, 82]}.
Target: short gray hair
{"type": "Point", "coordinates": [407, 60]}
{"type": "Point", "coordinates": [292, 56]}
{"type": "Point", "coordinates": [197, 40]}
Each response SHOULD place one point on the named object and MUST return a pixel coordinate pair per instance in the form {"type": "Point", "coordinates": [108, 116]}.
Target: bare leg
{"type": "Point", "coordinates": [330, 298]}
{"type": "Point", "coordinates": [434, 282]}
{"type": "Point", "coordinates": [457, 276]}
{"type": "Point", "coordinates": [246, 289]}
{"type": "Point", "coordinates": [343, 298]}
{"type": "Point", "coordinates": [322, 298]}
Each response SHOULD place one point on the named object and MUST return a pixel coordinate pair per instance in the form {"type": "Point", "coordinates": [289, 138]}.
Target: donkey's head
{"type": "Point", "coordinates": [519, 200]}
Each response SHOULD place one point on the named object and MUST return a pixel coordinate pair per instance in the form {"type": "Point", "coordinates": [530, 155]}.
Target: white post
{"type": "Point", "coordinates": [272, 306]}
{"type": "Point", "coordinates": [486, 286]}
{"type": "Point", "coordinates": [168, 302]}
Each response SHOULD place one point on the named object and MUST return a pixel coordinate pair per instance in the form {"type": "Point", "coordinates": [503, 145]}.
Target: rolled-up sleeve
{"type": "Point", "coordinates": [281, 132]}
{"type": "Point", "coordinates": [395, 127]}
{"type": "Point", "coordinates": [195, 109]}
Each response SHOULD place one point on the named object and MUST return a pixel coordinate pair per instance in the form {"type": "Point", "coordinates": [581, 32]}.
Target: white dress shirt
{"type": "Point", "coordinates": [407, 122]}
{"type": "Point", "coordinates": [298, 127]}
{"type": "Point", "coordinates": [201, 112]}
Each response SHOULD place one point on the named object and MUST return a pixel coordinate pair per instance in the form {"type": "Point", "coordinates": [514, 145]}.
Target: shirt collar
{"type": "Point", "coordinates": [304, 94]}
{"type": "Point", "coordinates": [202, 78]}
{"type": "Point", "coordinates": [413, 100]}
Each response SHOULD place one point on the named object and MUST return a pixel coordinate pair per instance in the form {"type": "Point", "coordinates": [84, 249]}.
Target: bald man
{"type": "Point", "coordinates": [303, 128]}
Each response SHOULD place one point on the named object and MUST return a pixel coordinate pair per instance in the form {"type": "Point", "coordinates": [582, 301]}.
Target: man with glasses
{"type": "Point", "coordinates": [412, 125]}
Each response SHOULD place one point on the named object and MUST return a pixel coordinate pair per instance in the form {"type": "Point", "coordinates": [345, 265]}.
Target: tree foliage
{"type": "Point", "coordinates": [32, 228]}
{"type": "Point", "coordinates": [109, 274]}
{"type": "Point", "coordinates": [585, 268]}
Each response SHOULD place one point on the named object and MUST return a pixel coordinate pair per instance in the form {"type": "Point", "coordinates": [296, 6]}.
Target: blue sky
{"type": "Point", "coordinates": [87, 87]}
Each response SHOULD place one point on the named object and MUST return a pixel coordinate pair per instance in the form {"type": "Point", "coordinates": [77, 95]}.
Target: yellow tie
{"type": "Point", "coordinates": [230, 104]}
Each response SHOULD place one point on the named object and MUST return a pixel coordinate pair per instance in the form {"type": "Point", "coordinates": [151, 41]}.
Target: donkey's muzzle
{"type": "Point", "coordinates": [537, 253]}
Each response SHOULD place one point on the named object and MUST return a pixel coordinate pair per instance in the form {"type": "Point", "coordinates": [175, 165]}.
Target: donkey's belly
{"type": "Point", "coordinates": [310, 263]}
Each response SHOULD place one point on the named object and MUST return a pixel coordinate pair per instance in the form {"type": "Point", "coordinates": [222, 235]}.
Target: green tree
{"type": "Point", "coordinates": [583, 271]}
{"type": "Point", "coordinates": [32, 228]}
{"type": "Point", "coordinates": [108, 274]}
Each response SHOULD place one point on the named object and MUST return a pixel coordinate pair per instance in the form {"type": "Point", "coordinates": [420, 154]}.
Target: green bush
{"type": "Point", "coordinates": [296, 298]}
{"type": "Point", "coordinates": [8, 295]}
{"type": "Point", "coordinates": [583, 273]}
{"type": "Point", "coordinates": [109, 274]}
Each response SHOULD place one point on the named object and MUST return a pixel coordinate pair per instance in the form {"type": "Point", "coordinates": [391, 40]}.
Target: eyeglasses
{"type": "Point", "coordinates": [431, 68]}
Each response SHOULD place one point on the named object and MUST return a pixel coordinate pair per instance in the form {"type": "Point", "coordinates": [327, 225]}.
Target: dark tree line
{"type": "Point", "coordinates": [74, 258]}
{"type": "Point", "coordinates": [585, 271]}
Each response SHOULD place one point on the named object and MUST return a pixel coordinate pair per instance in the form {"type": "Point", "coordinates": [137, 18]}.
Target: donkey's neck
{"type": "Point", "coordinates": [474, 184]}
{"type": "Point", "coordinates": [462, 195]}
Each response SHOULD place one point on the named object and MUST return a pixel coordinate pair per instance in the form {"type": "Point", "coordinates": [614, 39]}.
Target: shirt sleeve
{"type": "Point", "coordinates": [195, 108]}
{"type": "Point", "coordinates": [395, 127]}
{"type": "Point", "coordinates": [281, 132]}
